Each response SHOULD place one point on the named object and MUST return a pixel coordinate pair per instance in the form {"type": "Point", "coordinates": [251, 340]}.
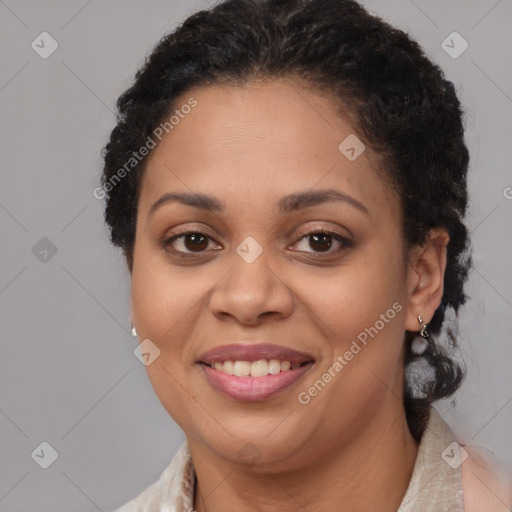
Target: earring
{"type": "Point", "coordinates": [134, 332]}
{"type": "Point", "coordinates": [420, 345]}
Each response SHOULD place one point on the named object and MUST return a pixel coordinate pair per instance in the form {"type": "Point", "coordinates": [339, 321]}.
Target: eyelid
{"type": "Point", "coordinates": [322, 228]}
{"type": "Point", "coordinates": [344, 241]}
{"type": "Point", "coordinates": [302, 233]}
{"type": "Point", "coordinates": [180, 232]}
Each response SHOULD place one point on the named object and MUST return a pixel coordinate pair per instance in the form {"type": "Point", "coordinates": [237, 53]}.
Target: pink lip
{"type": "Point", "coordinates": [253, 388]}
{"type": "Point", "coordinates": [254, 352]}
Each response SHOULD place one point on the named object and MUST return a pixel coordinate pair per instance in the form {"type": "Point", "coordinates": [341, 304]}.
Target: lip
{"type": "Point", "coordinates": [253, 388]}
{"type": "Point", "coordinates": [253, 352]}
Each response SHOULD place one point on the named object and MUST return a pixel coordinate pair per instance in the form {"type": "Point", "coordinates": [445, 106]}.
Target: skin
{"type": "Point", "coordinates": [249, 146]}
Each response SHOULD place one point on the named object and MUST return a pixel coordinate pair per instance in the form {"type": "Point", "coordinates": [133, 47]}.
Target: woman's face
{"type": "Point", "coordinates": [259, 270]}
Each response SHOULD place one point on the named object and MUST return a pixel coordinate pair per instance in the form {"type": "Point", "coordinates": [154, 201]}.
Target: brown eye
{"type": "Point", "coordinates": [321, 241]}
{"type": "Point", "coordinates": [187, 243]}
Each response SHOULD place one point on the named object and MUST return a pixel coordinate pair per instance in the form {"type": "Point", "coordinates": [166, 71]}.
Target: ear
{"type": "Point", "coordinates": [425, 278]}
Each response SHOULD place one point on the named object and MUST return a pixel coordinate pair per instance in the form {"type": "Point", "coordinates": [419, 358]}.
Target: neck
{"type": "Point", "coordinates": [372, 473]}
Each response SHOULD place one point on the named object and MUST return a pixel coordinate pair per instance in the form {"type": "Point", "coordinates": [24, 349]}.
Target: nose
{"type": "Point", "coordinates": [251, 293]}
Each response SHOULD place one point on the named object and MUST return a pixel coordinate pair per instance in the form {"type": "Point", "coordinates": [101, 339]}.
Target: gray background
{"type": "Point", "coordinates": [68, 375]}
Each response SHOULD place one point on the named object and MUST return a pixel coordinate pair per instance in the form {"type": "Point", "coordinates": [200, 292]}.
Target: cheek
{"type": "Point", "coordinates": [154, 308]}
{"type": "Point", "coordinates": [361, 311]}
{"type": "Point", "coordinates": [167, 304]}
{"type": "Point", "coordinates": [160, 296]}
{"type": "Point", "coordinates": [354, 295]}
{"type": "Point", "coordinates": [163, 310]}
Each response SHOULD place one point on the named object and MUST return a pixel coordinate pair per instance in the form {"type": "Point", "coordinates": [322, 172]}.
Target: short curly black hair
{"type": "Point", "coordinates": [404, 109]}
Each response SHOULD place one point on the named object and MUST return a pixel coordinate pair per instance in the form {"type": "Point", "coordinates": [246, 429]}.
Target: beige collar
{"type": "Point", "coordinates": [435, 485]}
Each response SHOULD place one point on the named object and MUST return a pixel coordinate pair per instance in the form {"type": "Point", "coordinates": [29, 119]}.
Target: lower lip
{"type": "Point", "coordinates": [253, 388]}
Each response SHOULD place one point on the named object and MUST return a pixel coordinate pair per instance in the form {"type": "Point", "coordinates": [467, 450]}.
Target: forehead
{"type": "Point", "coordinates": [257, 142]}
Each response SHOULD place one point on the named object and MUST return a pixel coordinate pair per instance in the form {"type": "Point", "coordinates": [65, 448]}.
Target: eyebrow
{"type": "Point", "coordinates": [287, 204]}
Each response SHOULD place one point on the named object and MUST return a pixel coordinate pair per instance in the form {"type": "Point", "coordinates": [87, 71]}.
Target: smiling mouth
{"type": "Point", "coordinates": [257, 369]}
{"type": "Point", "coordinates": [252, 372]}
{"type": "Point", "coordinates": [255, 383]}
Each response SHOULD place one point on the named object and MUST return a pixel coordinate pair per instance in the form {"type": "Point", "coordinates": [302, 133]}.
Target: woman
{"type": "Point", "coordinates": [287, 181]}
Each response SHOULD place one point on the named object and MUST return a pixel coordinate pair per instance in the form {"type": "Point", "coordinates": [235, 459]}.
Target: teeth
{"type": "Point", "coordinates": [242, 368]}
{"type": "Point", "coordinates": [228, 367]}
{"type": "Point", "coordinates": [258, 368]}
{"type": "Point", "coordinates": [285, 365]}
{"type": "Point", "coordinates": [274, 367]}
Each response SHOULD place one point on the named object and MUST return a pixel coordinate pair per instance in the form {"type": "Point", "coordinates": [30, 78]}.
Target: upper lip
{"type": "Point", "coordinates": [253, 352]}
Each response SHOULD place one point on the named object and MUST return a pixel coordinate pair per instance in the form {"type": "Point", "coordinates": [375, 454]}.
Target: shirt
{"type": "Point", "coordinates": [447, 477]}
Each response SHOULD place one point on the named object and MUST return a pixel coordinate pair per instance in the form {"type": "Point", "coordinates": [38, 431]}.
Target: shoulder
{"type": "Point", "coordinates": [450, 474]}
{"type": "Point", "coordinates": [486, 482]}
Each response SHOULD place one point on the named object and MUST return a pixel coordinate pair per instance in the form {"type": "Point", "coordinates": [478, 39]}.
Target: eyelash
{"type": "Point", "coordinates": [344, 242]}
